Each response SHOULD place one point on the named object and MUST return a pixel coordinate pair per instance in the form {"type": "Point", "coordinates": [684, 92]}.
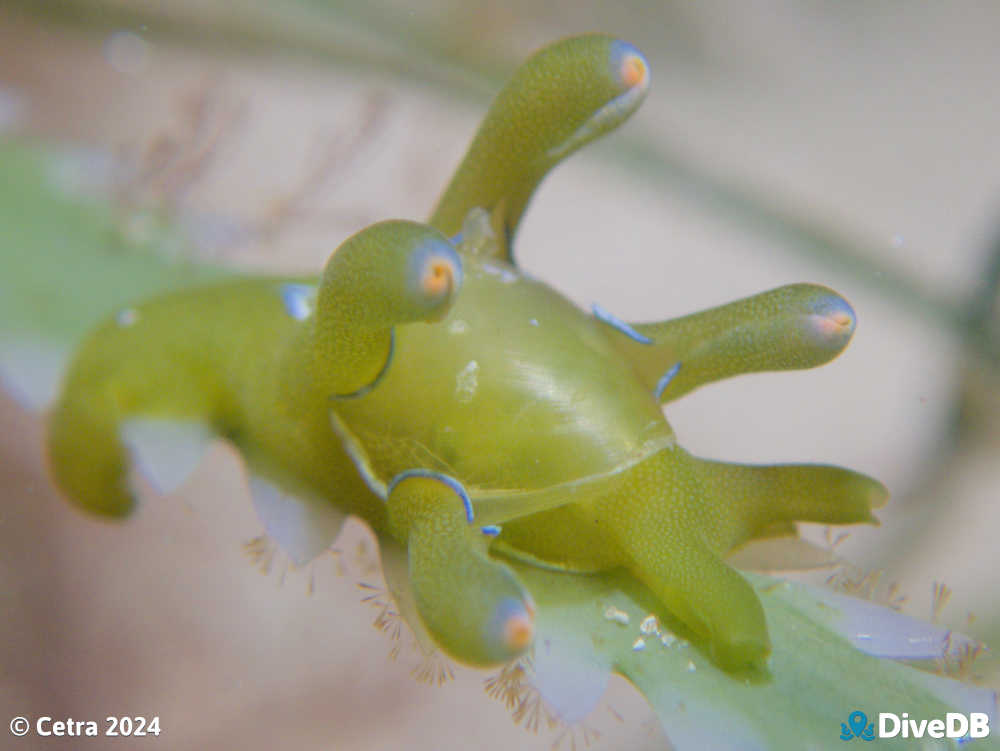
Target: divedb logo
{"type": "Point", "coordinates": [953, 725]}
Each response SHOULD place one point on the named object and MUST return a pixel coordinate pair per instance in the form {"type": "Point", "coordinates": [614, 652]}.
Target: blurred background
{"type": "Point", "coordinates": [844, 143]}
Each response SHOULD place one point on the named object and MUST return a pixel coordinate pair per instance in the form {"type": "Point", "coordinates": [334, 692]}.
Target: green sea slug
{"type": "Point", "coordinates": [464, 409]}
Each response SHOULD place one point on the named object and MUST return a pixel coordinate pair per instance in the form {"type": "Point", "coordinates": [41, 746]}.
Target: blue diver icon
{"type": "Point", "coordinates": [857, 726]}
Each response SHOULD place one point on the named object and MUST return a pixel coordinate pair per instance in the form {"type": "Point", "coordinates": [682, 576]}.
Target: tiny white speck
{"type": "Point", "coordinates": [506, 275]}
{"type": "Point", "coordinates": [466, 382]}
{"type": "Point", "coordinates": [649, 625]}
{"type": "Point", "coordinates": [458, 326]}
{"type": "Point", "coordinates": [127, 317]}
{"type": "Point", "coordinates": [618, 616]}
{"type": "Point", "coordinates": [691, 667]}
{"type": "Point", "coordinates": [667, 639]}
{"type": "Point", "coordinates": [638, 645]}
{"type": "Point", "coordinates": [533, 321]}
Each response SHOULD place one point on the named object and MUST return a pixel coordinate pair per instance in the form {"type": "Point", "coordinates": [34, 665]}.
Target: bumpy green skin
{"type": "Point", "coordinates": [565, 96]}
{"type": "Point", "coordinates": [788, 328]}
{"type": "Point", "coordinates": [457, 366]}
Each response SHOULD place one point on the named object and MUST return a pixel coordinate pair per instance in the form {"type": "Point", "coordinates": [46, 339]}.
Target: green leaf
{"type": "Point", "coordinates": [590, 624]}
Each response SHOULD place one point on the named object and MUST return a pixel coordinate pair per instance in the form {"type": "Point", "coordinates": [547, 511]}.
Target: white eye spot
{"type": "Point", "coordinates": [458, 327]}
{"type": "Point", "coordinates": [618, 616]}
{"type": "Point", "coordinates": [691, 667]}
{"type": "Point", "coordinates": [638, 645]}
{"type": "Point", "coordinates": [127, 317]}
{"type": "Point", "coordinates": [467, 382]}
{"type": "Point", "coordinates": [533, 321]}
